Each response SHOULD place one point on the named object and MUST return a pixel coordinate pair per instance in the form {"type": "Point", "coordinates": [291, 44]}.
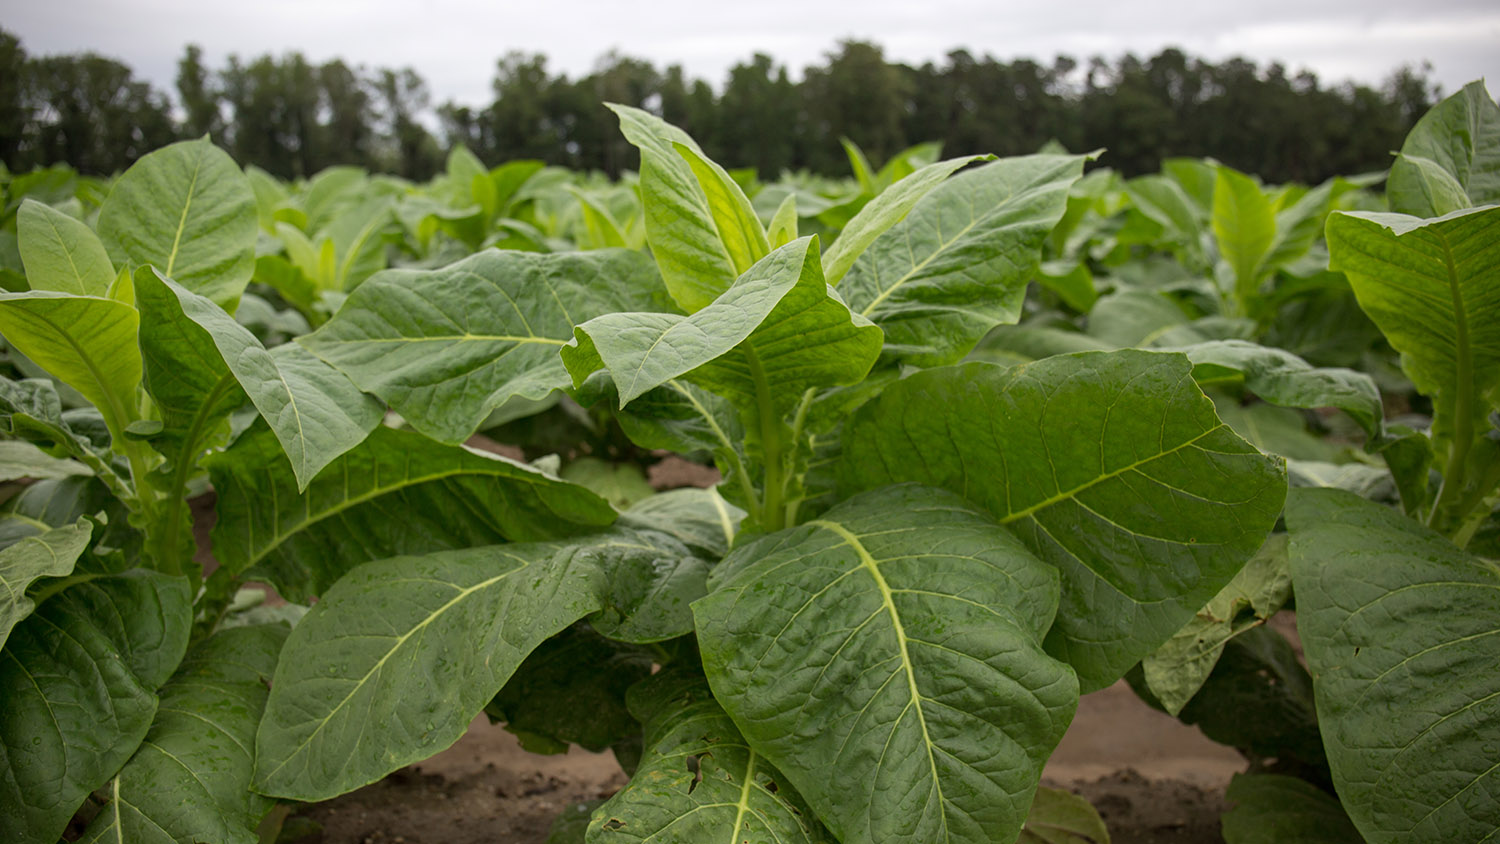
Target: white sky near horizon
{"type": "Point", "coordinates": [454, 44]}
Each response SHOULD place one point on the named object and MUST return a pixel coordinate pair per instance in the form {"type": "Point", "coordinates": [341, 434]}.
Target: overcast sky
{"type": "Point", "coordinates": [453, 44]}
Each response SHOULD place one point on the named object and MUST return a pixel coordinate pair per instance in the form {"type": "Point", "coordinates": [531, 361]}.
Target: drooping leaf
{"type": "Point", "coordinates": [886, 210]}
{"type": "Point", "coordinates": [396, 493]}
{"type": "Point", "coordinates": [774, 334]}
{"type": "Point", "coordinates": [1429, 286]}
{"type": "Point", "coordinates": [959, 263]}
{"type": "Point", "coordinates": [190, 779]}
{"type": "Point", "coordinates": [187, 210]}
{"type": "Point", "coordinates": [86, 342]}
{"type": "Point", "coordinates": [1176, 670]}
{"type": "Point", "coordinates": [699, 781]}
{"type": "Point", "coordinates": [1110, 465]}
{"type": "Point", "coordinates": [1401, 634]}
{"type": "Point", "coordinates": [31, 410]}
{"type": "Point", "coordinates": [315, 412]}
{"type": "Point", "coordinates": [20, 459]}
{"type": "Point", "coordinates": [1062, 817]}
{"type": "Point", "coordinates": [445, 347]}
{"type": "Point", "coordinates": [1272, 809]}
{"type": "Point", "coordinates": [49, 554]}
{"type": "Point", "coordinates": [1451, 158]}
{"type": "Point", "coordinates": [685, 241]}
{"type": "Point", "coordinates": [369, 680]}
{"type": "Point", "coordinates": [1284, 379]}
{"type": "Point", "coordinates": [652, 581]}
{"type": "Point", "coordinates": [79, 679]}
{"type": "Point", "coordinates": [61, 253]}
{"type": "Point", "coordinates": [896, 640]}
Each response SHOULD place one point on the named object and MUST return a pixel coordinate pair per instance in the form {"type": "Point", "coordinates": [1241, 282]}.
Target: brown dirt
{"type": "Point", "coordinates": [1152, 779]}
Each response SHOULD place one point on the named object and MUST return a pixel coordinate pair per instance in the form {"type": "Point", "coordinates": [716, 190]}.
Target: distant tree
{"type": "Point", "coordinates": [411, 150]}
{"type": "Point", "coordinates": [519, 123]}
{"type": "Point", "coordinates": [856, 95]}
{"type": "Point", "coordinates": [759, 118]}
{"type": "Point", "coordinates": [14, 113]}
{"type": "Point", "coordinates": [197, 94]}
{"type": "Point", "coordinates": [90, 112]}
{"type": "Point", "coordinates": [348, 131]}
{"type": "Point", "coordinates": [691, 105]}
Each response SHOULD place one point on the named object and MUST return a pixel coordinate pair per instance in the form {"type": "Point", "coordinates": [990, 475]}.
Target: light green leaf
{"type": "Point", "coordinates": [959, 263]}
{"type": "Point", "coordinates": [1165, 201]}
{"type": "Point", "coordinates": [369, 680]}
{"type": "Point", "coordinates": [396, 493]}
{"type": "Point", "coordinates": [1284, 379]}
{"type": "Point", "coordinates": [315, 412]}
{"type": "Point", "coordinates": [1402, 633]}
{"type": "Point", "coordinates": [1062, 817]}
{"type": "Point", "coordinates": [1110, 465]}
{"type": "Point", "coordinates": [734, 219]}
{"type": "Point", "coordinates": [897, 641]}
{"type": "Point", "coordinates": [79, 679]}
{"type": "Point", "coordinates": [1430, 287]}
{"type": "Point", "coordinates": [87, 343]}
{"type": "Point", "coordinates": [61, 253]}
{"type": "Point", "coordinates": [778, 331]}
{"type": "Point", "coordinates": [699, 782]}
{"type": "Point", "coordinates": [445, 347]}
{"type": "Point", "coordinates": [695, 264]}
{"type": "Point", "coordinates": [23, 460]}
{"type": "Point", "coordinates": [50, 554]}
{"type": "Point", "coordinates": [1245, 225]}
{"type": "Point", "coordinates": [621, 484]}
{"type": "Point", "coordinates": [190, 779]}
{"type": "Point", "coordinates": [1451, 158]}
{"type": "Point", "coordinates": [1274, 809]}
{"type": "Point", "coordinates": [783, 227]}
{"type": "Point", "coordinates": [187, 210]}
{"type": "Point", "coordinates": [885, 211]}
{"type": "Point", "coordinates": [1177, 669]}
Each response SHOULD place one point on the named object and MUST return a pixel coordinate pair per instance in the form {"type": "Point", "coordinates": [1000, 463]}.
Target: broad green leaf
{"type": "Point", "coordinates": [50, 554]}
{"type": "Point", "coordinates": [370, 680]}
{"type": "Point", "coordinates": [1177, 669]}
{"type": "Point", "coordinates": [187, 210]}
{"type": "Point", "coordinates": [1276, 430]}
{"type": "Point", "coordinates": [897, 641]}
{"type": "Point", "coordinates": [1430, 287]}
{"type": "Point", "coordinates": [775, 333]}
{"type": "Point", "coordinates": [445, 347]}
{"type": "Point", "coordinates": [20, 459]}
{"type": "Point", "coordinates": [1299, 225]}
{"type": "Point", "coordinates": [734, 219]}
{"type": "Point", "coordinates": [358, 238]}
{"type": "Point", "coordinates": [886, 210]}
{"type": "Point", "coordinates": [61, 253]}
{"type": "Point", "coordinates": [1109, 465]}
{"type": "Point", "coordinates": [1244, 224]}
{"type": "Point", "coordinates": [1451, 158]}
{"type": "Point", "coordinates": [1273, 809]}
{"type": "Point", "coordinates": [1164, 200]}
{"type": "Point", "coordinates": [599, 223]}
{"type": "Point", "coordinates": [959, 263]}
{"type": "Point", "coordinates": [652, 579]}
{"type": "Point", "coordinates": [315, 412]}
{"type": "Point", "coordinates": [1071, 281]}
{"type": "Point", "coordinates": [698, 518]}
{"type": "Point", "coordinates": [79, 679]}
{"type": "Point", "coordinates": [621, 484]}
{"type": "Point", "coordinates": [695, 264]}
{"type": "Point", "coordinates": [699, 781]}
{"type": "Point", "coordinates": [87, 343]}
{"type": "Point", "coordinates": [1284, 379]}
{"type": "Point", "coordinates": [550, 703]}
{"type": "Point", "coordinates": [1401, 631]}
{"type": "Point", "coordinates": [1062, 817]}
{"type": "Point", "coordinates": [396, 493]}
{"type": "Point", "coordinates": [190, 779]}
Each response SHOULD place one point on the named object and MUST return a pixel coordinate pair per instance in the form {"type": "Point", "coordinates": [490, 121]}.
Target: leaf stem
{"type": "Point", "coordinates": [772, 515]}
{"type": "Point", "coordinates": [1463, 402]}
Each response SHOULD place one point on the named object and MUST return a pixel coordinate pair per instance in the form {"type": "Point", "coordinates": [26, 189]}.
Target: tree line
{"type": "Point", "coordinates": [293, 117]}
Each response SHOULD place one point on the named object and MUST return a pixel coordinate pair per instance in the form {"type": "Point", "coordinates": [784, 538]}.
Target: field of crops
{"type": "Point", "coordinates": [952, 500]}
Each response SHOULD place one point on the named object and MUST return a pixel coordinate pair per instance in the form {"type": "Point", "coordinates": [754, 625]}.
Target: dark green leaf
{"type": "Point", "coordinates": [49, 554]}
{"type": "Point", "coordinates": [1271, 809]}
{"type": "Point", "coordinates": [1284, 379]}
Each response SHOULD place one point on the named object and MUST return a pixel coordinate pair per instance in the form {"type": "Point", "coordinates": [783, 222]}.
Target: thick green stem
{"type": "Point", "coordinates": [773, 437]}
{"type": "Point", "coordinates": [1463, 404]}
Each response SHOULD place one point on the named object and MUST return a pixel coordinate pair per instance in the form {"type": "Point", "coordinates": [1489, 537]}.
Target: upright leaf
{"type": "Point", "coordinates": [315, 412]}
{"type": "Point", "coordinates": [1109, 465]}
{"type": "Point", "coordinates": [187, 210]}
{"type": "Point", "coordinates": [370, 681]}
{"type": "Point", "coordinates": [896, 640]}
{"type": "Point", "coordinates": [396, 493]}
{"type": "Point", "coordinates": [79, 680]}
{"type": "Point", "coordinates": [190, 779]}
{"type": "Point", "coordinates": [86, 342]}
{"type": "Point", "coordinates": [739, 229]}
{"type": "Point", "coordinates": [61, 253]}
{"type": "Point", "coordinates": [50, 554]}
{"type": "Point", "coordinates": [445, 347]}
{"type": "Point", "coordinates": [699, 781]}
{"type": "Point", "coordinates": [685, 241]}
{"type": "Point", "coordinates": [774, 334]}
{"type": "Point", "coordinates": [1451, 158]}
{"type": "Point", "coordinates": [1244, 224]}
{"type": "Point", "coordinates": [959, 263]}
{"type": "Point", "coordinates": [1401, 631]}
